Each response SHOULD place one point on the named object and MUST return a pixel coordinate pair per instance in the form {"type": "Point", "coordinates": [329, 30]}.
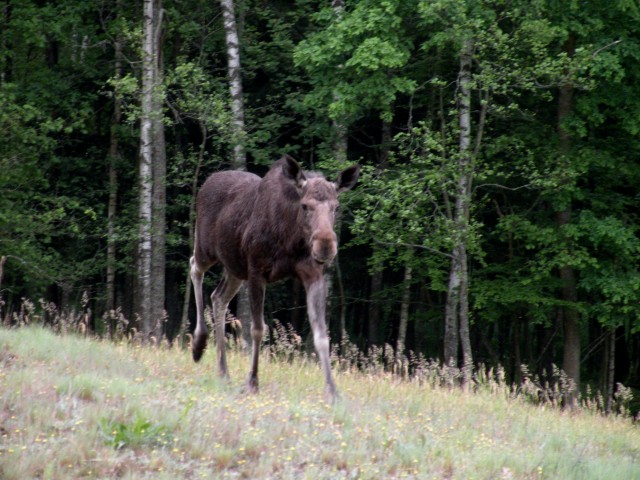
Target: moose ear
{"type": "Point", "coordinates": [291, 170]}
{"type": "Point", "coordinates": [347, 178]}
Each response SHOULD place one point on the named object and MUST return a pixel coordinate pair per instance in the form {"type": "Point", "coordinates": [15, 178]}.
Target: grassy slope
{"type": "Point", "coordinates": [66, 403]}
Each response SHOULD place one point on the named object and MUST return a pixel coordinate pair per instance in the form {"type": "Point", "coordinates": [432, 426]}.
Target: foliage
{"type": "Point", "coordinates": [353, 58]}
{"type": "Point", "coordinates": [137, 433]}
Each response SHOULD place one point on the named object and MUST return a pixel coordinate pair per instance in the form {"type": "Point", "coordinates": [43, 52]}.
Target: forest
{"type": "Point", "coordinates": [496, 220]}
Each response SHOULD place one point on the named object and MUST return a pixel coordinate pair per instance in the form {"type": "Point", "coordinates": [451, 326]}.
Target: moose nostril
{"type": "Point", "coordinates": [324, 250]}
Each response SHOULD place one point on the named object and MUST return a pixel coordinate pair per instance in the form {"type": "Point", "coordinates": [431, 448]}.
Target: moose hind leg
{"type": "Point", "coordinates": [220, 299]}
{"type": "Point", "coordinates": [199, 339]}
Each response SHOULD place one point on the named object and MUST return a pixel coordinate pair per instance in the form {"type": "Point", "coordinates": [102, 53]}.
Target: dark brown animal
{"type": "Point", "coordinates": [261, 231]}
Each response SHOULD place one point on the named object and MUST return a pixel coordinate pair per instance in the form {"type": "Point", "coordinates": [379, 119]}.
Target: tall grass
{"type": "Point", "coordinates": [77, 407]}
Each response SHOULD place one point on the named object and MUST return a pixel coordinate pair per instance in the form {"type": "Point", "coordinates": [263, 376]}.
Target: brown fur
{"type": "Point", "coordinates": [261, 231]}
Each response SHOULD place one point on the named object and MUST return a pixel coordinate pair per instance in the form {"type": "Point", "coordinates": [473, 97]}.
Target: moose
{"type": "Point", "coordinates": [262, 230]}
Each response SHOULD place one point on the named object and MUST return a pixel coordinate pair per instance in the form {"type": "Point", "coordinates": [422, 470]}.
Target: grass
{"type": "Point", "coordinates": [73, 407]}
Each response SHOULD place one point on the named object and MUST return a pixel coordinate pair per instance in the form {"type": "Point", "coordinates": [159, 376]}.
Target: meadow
{"type": "Point", "coordinates": [77, 407]}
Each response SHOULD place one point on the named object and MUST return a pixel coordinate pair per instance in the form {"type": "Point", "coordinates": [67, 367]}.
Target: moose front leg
{"type": "Point", "coordinates": [316, 306]}
{"type": "Point", "coordinates": [256, 300]}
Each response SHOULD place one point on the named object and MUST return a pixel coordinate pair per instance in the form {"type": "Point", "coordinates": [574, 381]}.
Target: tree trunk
{"type": "Point", "coordinates": [143, 295]}
{"type": "Point", "coordinates": [339, 148]}
{"type": "Point", "coordinates": [3, 260]}
{"type": "Point", "coordinates": [373, 328]}
{"type": "Point", "coordinates": [517, 353]}
{"type": "Point", "coordinates": [465, 337]}
{"type": "Point", "coordinates": [457, 305]}
{"type": "Point", "coordinates": [568, 292]}
{"type": "Point", "coordinates": [373, 332]}
{"type": "Point", "coordinates": [343, 300]}
{"type": "Point", "coordinates": [184, 323]}
{"type": "Point", "coordinates": [152, 172]}
{"type": "Point", "coordinates": [450, 354]}
{"type": "Point", "coordinates": [297, 317]}
{"type": "Point", "coordinates": [114, 156]}
{"type": "Point", "coordinates": [239, 160]}
{"type": "Point", "coordinates": [385, 145]}
{"type": "Point", "coordinates": [570, 320]}
{"type": "Point", "coordinates": [111, 216]}
{"type": "Point", "coordinates": [608, 368]}
{"type": "Point", "coordinates": [404, 313]}
{"type": "Point", "coordinates": [340, 143]}
{"type": "Point", "coordinates": [158, 254]}
{"type": "Point", "coordinates": [329, 278]}
{"type": "Point", "coordinates": [6, 43]}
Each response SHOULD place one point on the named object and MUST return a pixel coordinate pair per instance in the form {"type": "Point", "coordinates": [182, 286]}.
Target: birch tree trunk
{"type": "Point", "coordinates": [450, 355]}
{"type": "Point", "coordinates": [145, 172]}
{"type": "Point", "coordinates": [239, 160]}
{"type": "Point", "coordinates": [404, 313]}
{"type": "Point", "coordinates": [463, 203]}
{"type": "Point", "coordinates": [152, 170]}
{"type": "Point", "coordinates": [457, 305]}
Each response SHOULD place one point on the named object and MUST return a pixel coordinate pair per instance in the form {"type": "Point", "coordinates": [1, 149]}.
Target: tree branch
{"type": "Point", "coordinates": [412, 245]}
{"type": "Point", "coordinates": [503, 187]}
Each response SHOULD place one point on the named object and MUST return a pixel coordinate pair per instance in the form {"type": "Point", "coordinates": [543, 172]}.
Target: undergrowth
{"type": "Point", "coordinates": [284, 343]}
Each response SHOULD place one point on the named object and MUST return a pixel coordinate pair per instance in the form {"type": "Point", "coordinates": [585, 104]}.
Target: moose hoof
{"type": "Point", "coordinates": [223, 374]}
{"type": "Point", "coordinates": [331, 395]}
{"type": "Point", "coordinates": [198, 346]}
{"type": "Point", "coordinates": [252, 386]}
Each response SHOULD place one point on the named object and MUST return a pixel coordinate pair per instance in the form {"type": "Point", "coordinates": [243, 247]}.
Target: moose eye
{"type": "Point", "coordinates": [305, 207]}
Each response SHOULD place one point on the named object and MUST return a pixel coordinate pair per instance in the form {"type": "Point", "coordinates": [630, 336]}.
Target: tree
{"type": "Point", "coordinates": [114, 156]}
{"type": "Point", "coordinates": [340, 129]}
{"type": "Point", "coordinates": [457, 307]}
{"type": "Point", "coordinates": [354, 62]}
{"type": "Point", "coordinates": [569, 294]}
{"type": "Point", "coordinates": [197, 98]}
{"type": "Point", "coordinates": [48, 112]}
{"type": "Point", "coordinates": [426, 200]}
{"type": "Point", "coordinates": [152, 173]}
{"type": "Point", "coordinates": [239, 161]}
{"type": "Point", "coordinates": [570, 229]}
{"type": "Point", "coordinates": [404, 314]}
